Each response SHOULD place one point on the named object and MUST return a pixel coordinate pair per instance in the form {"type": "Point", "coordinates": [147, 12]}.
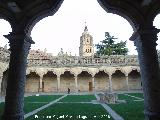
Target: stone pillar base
{"type": "Point", "coordinates": [13, 117]}
{"type": "Point", "coordinates": [40, 90]}
{"type": "Point", "coordinates": [152, 116]}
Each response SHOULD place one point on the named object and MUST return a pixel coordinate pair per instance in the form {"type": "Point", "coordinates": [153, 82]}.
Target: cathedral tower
{"type": "Point", "coordinates": [86, 44]}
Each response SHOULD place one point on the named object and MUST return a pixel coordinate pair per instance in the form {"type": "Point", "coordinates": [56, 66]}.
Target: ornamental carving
{"type": "Point", "coordinates": [42, 62]}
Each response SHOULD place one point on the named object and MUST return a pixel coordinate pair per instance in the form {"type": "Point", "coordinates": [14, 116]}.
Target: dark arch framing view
{"type": "Point", "coordinates": [101, 77]}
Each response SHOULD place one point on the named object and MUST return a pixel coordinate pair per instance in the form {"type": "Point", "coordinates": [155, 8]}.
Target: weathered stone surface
{"type": "Point", "coordinates": [108, 97]}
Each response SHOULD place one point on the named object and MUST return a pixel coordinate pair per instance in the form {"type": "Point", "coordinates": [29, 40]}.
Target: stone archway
{"type": "Point", "coordinates": [118, 81]}
{"type": "Point", "coordinates": [49, 82]}
{"type": "Point", "coordinates": [134, 80]}
{"type": "Point", "coordinates": [139, 13]}
{"type": "Point", "coordinates": [101, 81]}
{"type": "Point", "coordinates": [32, 82]}
{"type": "Point", "coordinates": [67, 81]}
{"type": "Point", "coordinates": [84, 82]}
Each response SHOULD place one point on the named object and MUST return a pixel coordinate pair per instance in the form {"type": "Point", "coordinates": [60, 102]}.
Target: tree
{"type": "Point", "coordinates": [109, 47]}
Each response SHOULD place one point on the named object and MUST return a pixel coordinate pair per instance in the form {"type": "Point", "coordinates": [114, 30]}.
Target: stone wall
{"type": "Point", "coordinates": [134, 80]}
{"type": "Point", "coordinates": [50, 84]}
{"type": "Point", "coordinates": [119, 81]}
{"type": "Point", "coordinates": [101, 82]}
{"type": "Point", "coordinates": [83, 81]}
{"type": "Point", "coordinates": [67, 82]}
{"type": "Point", "coordinates": [41, 62]}
{"type": "Point", "coordinates": [32, 83]}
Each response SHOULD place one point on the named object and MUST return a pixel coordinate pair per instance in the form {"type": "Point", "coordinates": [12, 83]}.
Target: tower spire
{"type": "Point", "coordinates": [85, 29]}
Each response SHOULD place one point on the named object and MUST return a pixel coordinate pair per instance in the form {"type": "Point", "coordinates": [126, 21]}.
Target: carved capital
{"type": "Point", "coordinates": [19, 41]}
{"type": "Point", "coordinates": [145, 36]}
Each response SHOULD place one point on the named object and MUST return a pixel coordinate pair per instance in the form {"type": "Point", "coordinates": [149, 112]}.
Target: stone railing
{"type": "Point", "coordinates": [69, 61]}
{"type": "Point", "coordinates": [4, 55]}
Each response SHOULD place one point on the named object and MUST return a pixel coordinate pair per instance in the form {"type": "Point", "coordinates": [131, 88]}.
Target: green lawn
{"type": "Point", "coordinates": [70, 111]}
{"type": "Point", "coordinates": [78, 98]}
{"type": "Point", "coordinates": [132, 110]}
{"type": "Point", "coordinates": [29, 104]}
{"type": "Point", "coordinates": [33, 102]}
{"type": "Point", "coordinates": [28, 107]}
{"type": "Point", "coordinates": [1, 108]}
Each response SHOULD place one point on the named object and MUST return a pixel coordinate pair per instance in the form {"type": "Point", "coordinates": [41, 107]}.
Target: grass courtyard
{"type": "Point", "coordinates": [133, 109]}
{"type": "Point", "coordinates": [33, 102]}
{"type": "Point", "coordinates": [80, 107]}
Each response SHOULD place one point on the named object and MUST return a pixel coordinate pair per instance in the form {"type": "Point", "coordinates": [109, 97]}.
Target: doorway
{"type": "Point", "coordinates": [90, 86]}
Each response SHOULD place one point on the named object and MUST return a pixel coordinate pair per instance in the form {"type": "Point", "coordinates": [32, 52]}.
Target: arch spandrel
{"type": "Point", "coordinates": [63, 70]}
{"type": "Point", "coordinates": [135, 68]}
{"type": "Point", "coordinates": [49, 70]}
{"type": "Point", "coordinates": [154, 10]}
{"type": "Point", "coordinates": [40, 71]}
{"type": "Point", "coordinates": [39, 10]}
{"type": "Point", "coordinates": [7, 14]}
{"type": "Point", "coordinates": [27, 71]}
{"type": "Point", "coordinates": [31, 69]}
{"type": "Point", "coordinates": [110, 70]}
{"type": "Point", "coordinates": [93, 71]}
{"type": "Point", "coordinates": [76, 70]}
{"type": "Point", "coordinates": [126, 70]}
{"type": "Point", "coordinates": [126, 9]}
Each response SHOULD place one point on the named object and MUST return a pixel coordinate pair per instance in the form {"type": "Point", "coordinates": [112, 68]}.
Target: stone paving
{"type": "Point", "coordinates": [134, 97]}
{"type": "Point", "coordinates": [114, 115]}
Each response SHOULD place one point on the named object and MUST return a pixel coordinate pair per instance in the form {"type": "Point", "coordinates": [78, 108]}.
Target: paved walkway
{"type": "Point", "coordinates": [114, 115]}
{"type": "Point", "coordinates": [92, 102]}
{"type": "Point", "coordinates": [43, 107]}
{"type": "Point", "coordinates": [134, 97]}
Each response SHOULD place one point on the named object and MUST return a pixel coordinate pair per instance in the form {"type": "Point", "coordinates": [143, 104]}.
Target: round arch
{"type": "Point", "coordinates": [32, 82]}
{"type": "Point", "coordinates": [40, 12]}
{"type": "Point", "coordinates": [67, 81]}
{"type": "Point", "coordinates": [154, 11]}
{"type": "Point", "coordinates": [84, 82]}
{"type": "Point", "coordinates": [123, 9]}
{"type": "Point", "coordinates": [118, 81]}
{"type": "Point", "coordinates": [7, 15]}
{"type": "Point", "coordinates": [49, 82]}
{"type": "Point", "coordinates": [134, 80]}
{"type": "Point", "coordinates": [101, 81]}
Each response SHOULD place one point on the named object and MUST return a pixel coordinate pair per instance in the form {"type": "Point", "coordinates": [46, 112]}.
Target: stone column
{"type": "Point", "coordinates": [93, 84]}
{"type": "Point", "coordinates": [127, 85]}
{"type": "Point", "coordinates": [110, 83]}
{"type": "Point", "coordinates": [58, 83]}
{"type": "Point", "coordinates": [76, 84]}
{"type": "Point", "coordinates": [41, 84]}
{"type": "Point", "coordinates": [14, 101]}
{"type": "Point", "coordinates": [1, 76]}
{"type": "Point", "coordinates": [145, 41]}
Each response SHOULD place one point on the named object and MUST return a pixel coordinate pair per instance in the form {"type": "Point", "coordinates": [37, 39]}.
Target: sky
{"type": "Point", "coordinates": [64, 28]}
